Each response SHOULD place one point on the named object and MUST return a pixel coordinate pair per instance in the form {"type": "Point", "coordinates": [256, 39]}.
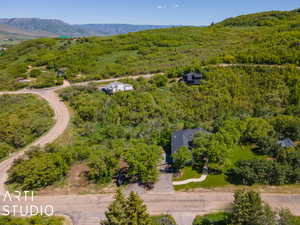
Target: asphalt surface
{"type": "Point", "coordinates": [89, 209]}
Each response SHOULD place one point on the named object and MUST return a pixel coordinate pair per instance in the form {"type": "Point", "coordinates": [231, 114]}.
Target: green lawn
{"type": "Point", "coordinates": [212, 181]}
{"type": "Point", "coordinates": [187, 173]}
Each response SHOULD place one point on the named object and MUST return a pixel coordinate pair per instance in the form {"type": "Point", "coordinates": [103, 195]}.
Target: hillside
{"type": "Point", "coordinates": [13, 30]}
{"type": "Point", "coordinates": [52, 26]}
{"type": "Point", "coordinates": [113, 29]}
{"type": "Point", "coordinates": [58, 27]}
{"type": "Point", "coordinates": [272, 18]}
{"type": "Point", "coordinates": [16, 34]}
{"type": "Point", "coordinates": [160, 50]}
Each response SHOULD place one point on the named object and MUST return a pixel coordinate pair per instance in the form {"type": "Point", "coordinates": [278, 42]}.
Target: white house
{"type": "Point", "coordinates": [116, 87]}
{"type": "Point", "coordinates": [23, 80]}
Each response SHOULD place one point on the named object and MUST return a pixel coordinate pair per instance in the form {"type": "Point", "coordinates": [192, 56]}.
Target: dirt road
{"type": "Point", "coordinates": [61, 117]}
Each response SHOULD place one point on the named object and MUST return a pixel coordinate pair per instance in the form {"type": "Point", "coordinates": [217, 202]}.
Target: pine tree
{"type": "Point", "coordinates": [269, 217]}
{"type": "Point", "coordinates": [249, 209]}
{"type": "Point", "coordinates": [285, 217]}
{"type": "Point", "coordinates": [116, 211]}
{"type": "Point", "coordinates": [136, 211]}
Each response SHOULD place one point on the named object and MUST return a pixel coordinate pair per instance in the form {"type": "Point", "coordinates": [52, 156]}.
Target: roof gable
{"type": "Point", "coordinates": [285, 143]}
{"type": "Point", "coordinates": [184, 137]}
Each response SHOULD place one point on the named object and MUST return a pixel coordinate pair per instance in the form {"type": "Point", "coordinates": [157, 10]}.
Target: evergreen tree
{"type": "Point", "coordinates": [268, 216]}
{"type": "Point", "coordinates": [285, 217]}
{"type": "Point", "coordinates": [116, 211]}
{"type": "Point", "coordinates": [249, 209]}
{"type": "Point", "coordinates": [130, 211]}
{"type": "Point", "coordinates": [136, 211]}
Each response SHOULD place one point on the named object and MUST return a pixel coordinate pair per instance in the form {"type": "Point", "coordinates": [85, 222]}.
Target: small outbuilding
{"type": "Point", "coordinates": [192, 78]}
{"type": "Point", "coordinates": [117, 87]}
{"type": "Point", "coordinates": [286, 143]}
{"type": "Point", "coordinates": [61, 71]}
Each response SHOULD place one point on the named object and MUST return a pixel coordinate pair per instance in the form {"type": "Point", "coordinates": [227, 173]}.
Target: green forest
{"type": "Point", "coordinates": [263, 38]}
{"type": "Point", "coordinates": [21, 121]}
{"type": "Point", "coordinates": [124, 134]}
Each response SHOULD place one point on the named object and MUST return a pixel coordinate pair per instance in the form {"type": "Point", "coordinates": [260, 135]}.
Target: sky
{"type": "Point", "coordinates": [156, 12]}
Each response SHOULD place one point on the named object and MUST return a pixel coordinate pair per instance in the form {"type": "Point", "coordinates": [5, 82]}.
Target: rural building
{"type": "Point", "coordinates": [64, 37]}
{"type": "Point", "coordinates": [184, 138]}
{"type": "Point", "coordinates": [61, 71]}
{"type": "Point", "coordinates": [192, 78]}
{"type": "Point", "coordinates": [286, 143]}
{"type": "Point", "coordinates": [117, 87]}
{"type": "Point", "coordinates": [2, 50]}
{"type": "Point", "coordinates": [23, 80]}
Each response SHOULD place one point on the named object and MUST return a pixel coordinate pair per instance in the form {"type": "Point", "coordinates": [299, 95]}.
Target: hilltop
{"type": "Point", "coordinates": [272, 18]}
{"type": "Point", "coordinates": [235, 40]}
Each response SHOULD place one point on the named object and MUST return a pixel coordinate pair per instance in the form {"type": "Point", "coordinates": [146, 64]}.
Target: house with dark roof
{"type": "Point", "coordinates": [192, 78]}
{"type": "Point", "coordinates": [184, 138]}
{"type": "Point", "coordinates": [286, 143]}
{"type": "Point", "coordinates": [61, 71]}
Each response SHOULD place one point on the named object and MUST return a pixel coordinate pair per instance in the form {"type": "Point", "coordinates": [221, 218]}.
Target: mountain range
{"type": "Point", "coordinates": [28, 28]}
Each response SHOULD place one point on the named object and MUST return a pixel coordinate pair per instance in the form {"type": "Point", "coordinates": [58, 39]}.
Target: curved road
{"type": "Point", "coordinates": [61, 116]}
{"type": "Point", "coordinates": [88, 209]}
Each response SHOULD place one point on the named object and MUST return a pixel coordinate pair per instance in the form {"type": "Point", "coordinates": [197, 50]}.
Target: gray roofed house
{"type": "Point", "coordinates": [285, 143]}
{"type": "Point", "coordinates": [184, 138]}
{"type": "Point", "coordinates": [192, 78]}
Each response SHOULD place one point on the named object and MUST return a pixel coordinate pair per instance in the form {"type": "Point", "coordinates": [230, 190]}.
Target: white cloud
{"type": "Point", "coordinates": [168, 6]}
{"type": "Point", "coordinates": [161, 7]}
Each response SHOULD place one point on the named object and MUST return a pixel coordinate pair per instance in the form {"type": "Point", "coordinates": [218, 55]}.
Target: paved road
{"type": "Point", "coordinates": [88, 209]}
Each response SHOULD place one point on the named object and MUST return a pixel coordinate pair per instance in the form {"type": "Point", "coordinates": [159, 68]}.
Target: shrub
{"type": "Point", "coordinates": [163, 220]}
{"type": "Point", "coordinates": [212, 219]}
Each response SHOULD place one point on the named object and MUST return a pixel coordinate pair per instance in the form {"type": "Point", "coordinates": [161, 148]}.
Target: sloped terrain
{"type": "Point", "coordinates": [160, 50]}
